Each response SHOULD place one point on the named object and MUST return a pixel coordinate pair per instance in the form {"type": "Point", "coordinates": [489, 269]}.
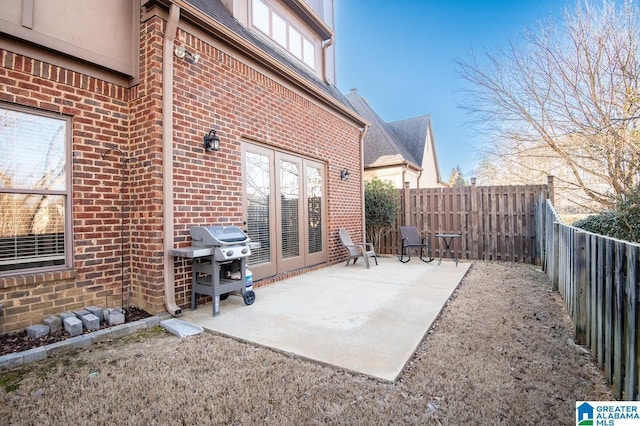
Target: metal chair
{"type": "Point", "coordinates": [411, 240]}
{"type": "Point", "coordinates": [357, 249]}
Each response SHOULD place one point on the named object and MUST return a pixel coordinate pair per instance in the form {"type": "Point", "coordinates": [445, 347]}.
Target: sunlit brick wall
{"type": "Point", "coordinates": [100, 118]}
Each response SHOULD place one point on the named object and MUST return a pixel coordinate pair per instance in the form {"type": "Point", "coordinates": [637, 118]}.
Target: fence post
{"type": "Point", "coordinates": [407, 205]}
{"type": "Point", "coordinates": [475, 244]}
{"type": "Point", "coordinates": [581, 286]}
{"type": "Point", "coordinates": [550, 187]}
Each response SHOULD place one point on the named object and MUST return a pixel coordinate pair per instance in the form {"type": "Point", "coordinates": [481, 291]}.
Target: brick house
{"type": "Point", "coordinates": [104, 106]}
{"type": "Point", "coordinates": [403, 152]}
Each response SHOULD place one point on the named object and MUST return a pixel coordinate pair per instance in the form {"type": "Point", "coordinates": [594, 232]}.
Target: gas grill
{"type": "Point", "coordinates": [219, 256]}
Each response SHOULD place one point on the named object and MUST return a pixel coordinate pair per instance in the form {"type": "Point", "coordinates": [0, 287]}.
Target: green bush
{"type": "Point", "coordinates": [381, 202]}
{"type": "Point", "coordinates": [605, 223]}
{"type": "Point", "coordinates": [623, 222]}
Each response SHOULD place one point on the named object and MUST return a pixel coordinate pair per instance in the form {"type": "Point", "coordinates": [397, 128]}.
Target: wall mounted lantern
{"type": "Point", "coordinates": [211, 141]}
{"type": "Point", "coordinates": [344, 174]}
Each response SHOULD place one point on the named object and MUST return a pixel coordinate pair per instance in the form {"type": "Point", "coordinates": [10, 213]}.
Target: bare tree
{"type": "Point", "coordinates": [566, 98]}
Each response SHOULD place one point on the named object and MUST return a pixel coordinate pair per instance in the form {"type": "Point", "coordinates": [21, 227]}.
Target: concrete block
{"type": "Point", "coordinates": [57, 347]}
{"type": "Point", "coordinates": [97, 312]}
{"type": "Point", "coordinates": [90, 322]}
{"type": "Point", "coordinates": [151, 321]}
{"type": "Point", "coordinates": [81, 312]}
{"type": "Point", "coordinates": [116, 318]}
{"type": "Point", "coordinates": [54, 323]}
{"type": "Point", "coordinates": [120, 331]}
{"type": "Point", "coordinates": [36, 331]}
{"type": "Point", "coordinates": [79, 342]}
{"type": "Point", "coordinates": [34, 355]}
{"type": "Point", "coordinates": [63, 316]}
{"type": "Point", "coordinates": [73, 326]}
{"type": "Point", "coordinates": [105, 314]}
{"type": "Point", "coordinates": [103, 335]}
{"type": "Point", "coordinates": [11, 360]}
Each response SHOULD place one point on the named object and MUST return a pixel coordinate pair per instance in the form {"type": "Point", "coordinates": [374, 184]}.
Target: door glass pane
{"type": "Point", "coordinates": [258, 188]}
{"type": "Point", "coordinates": [289, 207]}
{"type": "Point", "coordinates": [314, 204]}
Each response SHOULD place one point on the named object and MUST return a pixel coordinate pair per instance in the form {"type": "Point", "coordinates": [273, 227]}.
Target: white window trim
{"type": "Point", "coordinates": [306, 42]}
{"type": "Point", "coordinates": [67, 193]}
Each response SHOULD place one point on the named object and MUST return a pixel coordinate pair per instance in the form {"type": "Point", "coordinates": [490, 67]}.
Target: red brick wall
{"type": "Point", "coordinates": [219, 92]}
{"type": "Point", "coordinates": [100, 112]}
{"type": "Point", "coordinates": [244, 104]}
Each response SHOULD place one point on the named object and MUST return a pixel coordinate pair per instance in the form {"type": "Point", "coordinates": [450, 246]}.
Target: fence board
{"type": "Point", "coordinates": [631, 331]}
{"type": "Point", "coordinates": [608, 310]}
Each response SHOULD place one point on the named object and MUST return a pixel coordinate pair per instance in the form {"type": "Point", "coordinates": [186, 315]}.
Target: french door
{"type": "Point", "coordinates": [285, 210]}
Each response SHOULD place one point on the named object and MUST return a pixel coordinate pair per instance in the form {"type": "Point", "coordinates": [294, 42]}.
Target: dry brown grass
{"type": "Point", "coordinates": [501, 353]}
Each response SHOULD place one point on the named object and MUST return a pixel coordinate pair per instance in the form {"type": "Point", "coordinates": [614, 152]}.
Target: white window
{"type": "Point", "coordinates": [309, 53]}
{"type": "Point", "coordinates": [295, 43]}
{"type": "Point", "coordinates": [261, 16]}
{"type": "Point", "coordinates": [279, 30]}
{"type": "Point", "coordinates": [272, 24]}
{"type": "Point", "coordinates": [35, 205]}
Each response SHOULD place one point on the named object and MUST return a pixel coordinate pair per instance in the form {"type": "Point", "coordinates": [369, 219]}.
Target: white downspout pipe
{"type": "Point", "coordinates": [325, 71]}
{"type": "Point", "coordinates": [167, 159]}
{"type": "Point", "coordinates": [363, 131]}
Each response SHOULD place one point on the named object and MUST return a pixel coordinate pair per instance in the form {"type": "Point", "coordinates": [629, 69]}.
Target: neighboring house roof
{"type": "Point", "coordinates": [383, 146]}
{"type": "Point", "coordinates": [413, 132]}
{"type": "Point", "coordinates": [216, 10]}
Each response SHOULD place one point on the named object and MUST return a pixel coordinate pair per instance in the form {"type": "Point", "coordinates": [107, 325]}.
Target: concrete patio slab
{"type": "Point", "coordinates": [368, 321]}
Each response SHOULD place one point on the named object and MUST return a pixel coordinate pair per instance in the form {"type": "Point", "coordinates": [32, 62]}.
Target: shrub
{"type": "Point", "coordinates": [605, 223]}
{"type": "Point", "coordinates": [623, 222]}
{"type": "Point", "coordinates": [381, 202]}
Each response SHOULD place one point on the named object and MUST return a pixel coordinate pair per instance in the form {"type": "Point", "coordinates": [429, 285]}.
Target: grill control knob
{"type": "Point", "coordinates": [229, 253]}
{"type": "Point", "coordinates": [245, 250]}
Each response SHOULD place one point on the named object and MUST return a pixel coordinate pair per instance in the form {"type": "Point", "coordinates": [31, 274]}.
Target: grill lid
{"type": "Point", "coordinates": [207, 236]}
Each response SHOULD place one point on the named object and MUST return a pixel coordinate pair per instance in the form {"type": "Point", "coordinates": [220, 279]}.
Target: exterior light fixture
{"type": "Point", "coordinates": [182, 52]}
{"type": "Point", "coordinates": [344, 174]}
{"type": "Point", "coordinates": [211, 141]}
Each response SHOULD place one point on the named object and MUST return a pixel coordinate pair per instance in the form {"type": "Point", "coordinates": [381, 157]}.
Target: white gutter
{"type": "Point", "coordinates": [167, 159]}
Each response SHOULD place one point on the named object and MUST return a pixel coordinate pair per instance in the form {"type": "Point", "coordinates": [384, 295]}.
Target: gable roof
{"type": "Point", "coordinates": [413, 133]}
{"type": "Point", "coordinates": [382, 145]}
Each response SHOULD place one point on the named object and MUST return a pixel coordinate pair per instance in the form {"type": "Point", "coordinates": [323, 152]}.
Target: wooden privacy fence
{"type": "Point", "coordinates": [597, 277]}
{"type": "Point", "coordinates": [495, 222]}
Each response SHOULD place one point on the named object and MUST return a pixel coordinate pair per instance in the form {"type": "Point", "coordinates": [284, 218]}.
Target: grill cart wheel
{"type": "Point", "coordinates": [249, 297]}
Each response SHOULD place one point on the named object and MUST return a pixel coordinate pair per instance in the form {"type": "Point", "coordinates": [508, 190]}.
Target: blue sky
{"type": "Point", "coordinates": [400, 56]}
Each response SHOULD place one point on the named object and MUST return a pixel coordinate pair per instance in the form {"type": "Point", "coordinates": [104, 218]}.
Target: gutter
{"type": "Point", "coordinates": [167, 159]}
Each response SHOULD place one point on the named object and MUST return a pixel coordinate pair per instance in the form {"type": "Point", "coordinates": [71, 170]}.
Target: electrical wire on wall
{"type": "Point", "coordinates": [124, 160]}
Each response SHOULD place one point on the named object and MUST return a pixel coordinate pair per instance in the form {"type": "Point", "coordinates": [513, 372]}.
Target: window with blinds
{"type": "Point", "coordinates": [33, 190]}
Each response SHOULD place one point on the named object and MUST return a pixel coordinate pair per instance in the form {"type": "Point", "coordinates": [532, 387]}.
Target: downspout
{"type": "Point", "coordinates": [167, 159]}
{"type": "Point", "coordinates": [363, 131]}
{"type": "Point", "coordinates": [325, 73]}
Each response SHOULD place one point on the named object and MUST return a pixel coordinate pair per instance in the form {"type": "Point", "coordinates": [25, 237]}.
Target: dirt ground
{"type": "Point", "coordinates": [500, 353]}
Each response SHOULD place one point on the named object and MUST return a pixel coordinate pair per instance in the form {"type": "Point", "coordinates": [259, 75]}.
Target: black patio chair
{"type": "Point", "coordinates": [411, 240]}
